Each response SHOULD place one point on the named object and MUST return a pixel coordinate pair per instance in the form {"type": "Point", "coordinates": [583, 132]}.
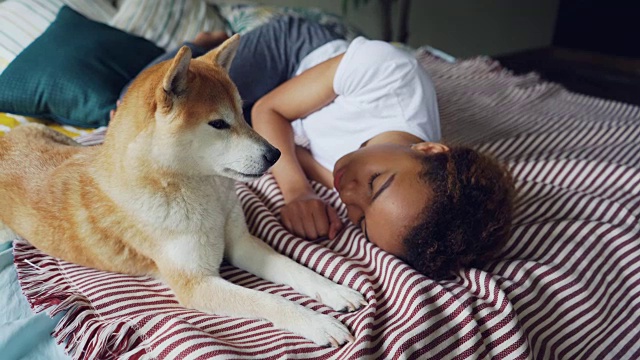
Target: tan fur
{"type": "Point", "coordinates": [157, 198]}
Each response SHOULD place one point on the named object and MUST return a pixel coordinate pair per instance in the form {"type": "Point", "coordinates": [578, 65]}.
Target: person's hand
{"type": "Point", "coordinates": [310, 217]}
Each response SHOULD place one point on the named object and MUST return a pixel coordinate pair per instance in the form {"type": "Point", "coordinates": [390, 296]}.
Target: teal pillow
{"type": "Point", "coordinates": [74, 71]}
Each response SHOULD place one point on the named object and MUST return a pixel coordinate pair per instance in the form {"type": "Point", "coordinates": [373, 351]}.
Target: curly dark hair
{"type": "Point", "coordinates": [468, 219]}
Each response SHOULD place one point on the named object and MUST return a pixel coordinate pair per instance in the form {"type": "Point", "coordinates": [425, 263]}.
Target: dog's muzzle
{"type": "Point", "coordinates": [272, 155]}
{"type": "Point", "coordinates": [257, 167]}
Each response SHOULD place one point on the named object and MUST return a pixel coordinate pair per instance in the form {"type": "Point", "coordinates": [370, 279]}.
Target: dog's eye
{"type": "Point", "coordinates": [219, 124]}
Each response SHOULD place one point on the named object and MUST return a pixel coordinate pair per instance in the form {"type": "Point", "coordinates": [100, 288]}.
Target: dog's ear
{"type": "Point", "coordinates": [223, 54]}
{"type": "Point", "coordinates": [175, 80]}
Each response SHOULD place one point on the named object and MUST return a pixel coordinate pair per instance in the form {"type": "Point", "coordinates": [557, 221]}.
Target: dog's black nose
{"type": "Point", "coordinates": [272, 155]}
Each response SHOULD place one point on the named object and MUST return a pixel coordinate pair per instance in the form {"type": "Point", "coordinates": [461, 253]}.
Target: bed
{"type": "Point", "coordinates": [566, 286]}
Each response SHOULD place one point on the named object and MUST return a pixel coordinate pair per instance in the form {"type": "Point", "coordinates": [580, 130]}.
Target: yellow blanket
{"type": "Point", "coordinates": [9, 121]}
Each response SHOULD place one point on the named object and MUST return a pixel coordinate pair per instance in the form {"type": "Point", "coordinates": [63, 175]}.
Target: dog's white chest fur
{"type": "Point", "coordinates": [191, 219]}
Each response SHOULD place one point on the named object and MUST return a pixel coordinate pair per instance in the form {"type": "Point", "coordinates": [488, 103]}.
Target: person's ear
{"type": "Point", "coordinates": [428, 148]}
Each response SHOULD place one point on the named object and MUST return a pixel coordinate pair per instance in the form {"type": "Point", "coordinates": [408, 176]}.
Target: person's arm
{"type": "Point", "coordinates": [272, 116]}
{"type": "Point", "coordinates": [312, 167]}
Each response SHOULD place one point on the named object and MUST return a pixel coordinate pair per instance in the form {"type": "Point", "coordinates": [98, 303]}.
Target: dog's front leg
{"type": "Point", "coordinates": [252, 254]}
{"type": "Point", "coordinates": [213, 294]}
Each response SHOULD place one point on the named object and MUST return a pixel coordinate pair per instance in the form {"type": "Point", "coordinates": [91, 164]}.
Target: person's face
{"type": "Point", "coordinates": [382, 190]}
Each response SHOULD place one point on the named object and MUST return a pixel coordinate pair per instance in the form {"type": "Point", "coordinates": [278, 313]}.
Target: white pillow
{"type": "Point", "coordinates": [22, 21]}
{"type": "Point", "coordinates": [167, 23]}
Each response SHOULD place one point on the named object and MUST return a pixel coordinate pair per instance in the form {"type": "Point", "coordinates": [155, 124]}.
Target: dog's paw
{"type": "Point", "coordinates": [340, 298]}
{"type": "Point", "coordinates": [324, 330]}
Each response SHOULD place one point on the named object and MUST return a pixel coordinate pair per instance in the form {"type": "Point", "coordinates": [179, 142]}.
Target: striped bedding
{"type": "Point", "coordinates": [567, 286]}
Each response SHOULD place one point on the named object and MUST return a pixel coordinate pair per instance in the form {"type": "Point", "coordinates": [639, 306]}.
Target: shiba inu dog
{"type": "Point", "coordinates": [158, 198]}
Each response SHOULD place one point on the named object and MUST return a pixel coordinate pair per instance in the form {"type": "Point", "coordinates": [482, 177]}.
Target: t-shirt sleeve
{"type": "Point", "coordinates": [388, 83]}
{"type": "Point", "coordinates": [368, 68]}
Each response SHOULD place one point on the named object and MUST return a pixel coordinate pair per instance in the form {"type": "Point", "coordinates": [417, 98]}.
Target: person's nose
{"type": "Point", "coordinates": [352, 196]}
{"type": "Point", "coordinates": [350, 192]}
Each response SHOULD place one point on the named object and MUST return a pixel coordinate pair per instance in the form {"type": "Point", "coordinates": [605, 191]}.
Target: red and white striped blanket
{"type": "Point", "coordinates": [568, 285]}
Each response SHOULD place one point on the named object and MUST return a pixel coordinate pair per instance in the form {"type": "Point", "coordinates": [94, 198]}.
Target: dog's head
{"type": "Point", "coordinates": [191, 114]}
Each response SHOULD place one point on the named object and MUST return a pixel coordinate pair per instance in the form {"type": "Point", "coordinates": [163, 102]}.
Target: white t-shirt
{"type": "Point", "coordinates": [380, 88]}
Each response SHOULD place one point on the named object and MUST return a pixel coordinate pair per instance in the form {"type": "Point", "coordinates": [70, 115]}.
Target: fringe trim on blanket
{"type": "Point", "coordinates": [85, 334]}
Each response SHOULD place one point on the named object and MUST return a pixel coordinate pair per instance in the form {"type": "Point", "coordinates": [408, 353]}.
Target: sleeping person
{"type": "Point", "coordinates": [361, 117]}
